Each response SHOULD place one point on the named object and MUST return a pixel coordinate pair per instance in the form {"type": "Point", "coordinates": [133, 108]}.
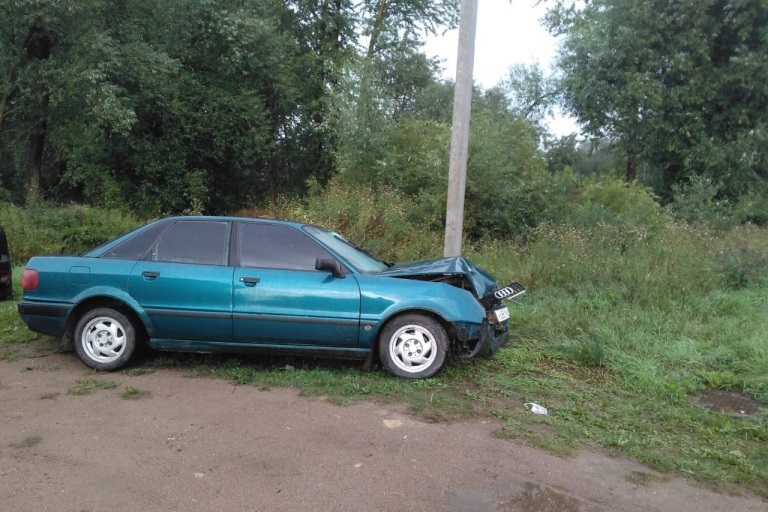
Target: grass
{"type": "Point", "coordinates": [39, 367]}
{"type": "Point", "coordinates": [88, 386]}
{"type": "Point", "coordinates": [132, 393]}
{"type": "Point", "coordinates": [135, 372]}
{"type": "Point", "coordinates": [27, 442]}
{"type": "Point", "coordinates": [15, 338]}
{"type": "Point", "coordinates": [622, 328]}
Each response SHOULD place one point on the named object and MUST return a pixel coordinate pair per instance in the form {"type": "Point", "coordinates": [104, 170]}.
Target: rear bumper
{"type": "Point", "coordinates": [45, 318]}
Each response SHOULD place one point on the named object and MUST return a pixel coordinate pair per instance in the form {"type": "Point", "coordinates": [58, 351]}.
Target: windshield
{"type": "Point", "coordinates": [349, 252]}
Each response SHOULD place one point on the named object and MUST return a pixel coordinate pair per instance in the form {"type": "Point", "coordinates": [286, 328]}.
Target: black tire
{"type": "Point", "coordinates": [413, 346]}
{"type": "Point", "coordinates": [104, 339]}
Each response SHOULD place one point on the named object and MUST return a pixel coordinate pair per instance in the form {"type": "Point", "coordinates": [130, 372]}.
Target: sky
{"type": "Point", "coordinates": [508, 32]}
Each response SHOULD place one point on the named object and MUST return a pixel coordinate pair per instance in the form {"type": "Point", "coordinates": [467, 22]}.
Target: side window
{"type": "Point", "coordinates": [194, 241]}
{"type": "Point", "coordinates": [280, 247]}
{"type": "Point", "coordinates": [135, 247]}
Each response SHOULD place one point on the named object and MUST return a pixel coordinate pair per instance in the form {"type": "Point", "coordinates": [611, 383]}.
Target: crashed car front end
{"type": "Point", "coordinates": [480, 340]}
{"type": "Point", "coordinates": [474, 340]}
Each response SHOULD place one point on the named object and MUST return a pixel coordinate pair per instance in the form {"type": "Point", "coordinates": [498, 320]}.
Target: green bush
{"type": "Point", "coordinates": [54, 230]}
{"type": "Point", "coordinates": [742, 257]}
{"type": "Point", "coordinates": [701, 201]}
{"type": "Point", "coordinates": [697, 202]}
{"type": "Point", "coordinates": [666, 311]}
{"type": "Point", "coordinates": [614, 201]}
{"type": "Point", "coordinates": [382, 220]}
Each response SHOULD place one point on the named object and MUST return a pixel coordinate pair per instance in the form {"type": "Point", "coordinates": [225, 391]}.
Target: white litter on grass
{"type": "Point", "coordinates": [536, 408]}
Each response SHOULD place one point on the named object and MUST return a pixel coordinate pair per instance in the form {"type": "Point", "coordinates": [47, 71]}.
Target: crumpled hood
{"type": "Point", "coordinates": [481, 280]}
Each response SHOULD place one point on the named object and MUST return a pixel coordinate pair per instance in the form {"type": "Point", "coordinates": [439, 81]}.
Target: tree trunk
{"type": "Point", "coordinates": [38, 45]}
{"type": "Point", "coordinates": [381, 15]}
{"type": "Point", "coordinates": [34, 163]}
{"type": "Point", "coordinates": [631, 173]}
{"type": "Point", "coordinates": [272, 187]}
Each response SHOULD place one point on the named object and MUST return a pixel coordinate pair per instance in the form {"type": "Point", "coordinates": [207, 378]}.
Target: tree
{"type": "Point", "coordinates": [203, 105]}
{"type": "Point", "coordinates": [681, 86]}
{"type": "Point", "coordinates": [159, 106]}
{"type": "Point", "coordinates": [530, 94]}
{"type": "Point", "coordinates": [32, 31]}
{"type": "Point", "coordinates": [394, 22]}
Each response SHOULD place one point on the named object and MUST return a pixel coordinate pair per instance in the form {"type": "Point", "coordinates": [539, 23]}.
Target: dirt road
{"type": "Point", "coordinates": [205, 445]}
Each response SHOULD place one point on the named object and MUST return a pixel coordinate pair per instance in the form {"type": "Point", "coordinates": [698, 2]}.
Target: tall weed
{"type": "Point", "coordinates": [742, 257]}
{"type": "Point", "coordinates": [381, 220]}
{"type": "Point", "coordinates": [667, 311]}
{"type": "Point", "coordinates": [54, 230]}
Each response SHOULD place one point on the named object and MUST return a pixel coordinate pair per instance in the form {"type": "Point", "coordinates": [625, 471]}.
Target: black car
{"type": "Point", "coordinates": [6, 286]}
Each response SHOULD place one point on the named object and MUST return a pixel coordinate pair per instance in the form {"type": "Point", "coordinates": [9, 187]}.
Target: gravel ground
{"type": "Point", "coordinates": [205, 445]}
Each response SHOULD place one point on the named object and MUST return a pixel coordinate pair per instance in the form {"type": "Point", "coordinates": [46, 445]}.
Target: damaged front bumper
{"type": "Point", "coordinates": [480, 340]}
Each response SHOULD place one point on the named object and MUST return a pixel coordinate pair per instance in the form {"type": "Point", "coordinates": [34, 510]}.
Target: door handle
{"type": "Point", "coordinates": [149, 274]}
{"type": "Point", "coordinates": [250, 281]}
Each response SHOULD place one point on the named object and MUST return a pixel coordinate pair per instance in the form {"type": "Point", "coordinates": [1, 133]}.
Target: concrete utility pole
{"type": "Point", "coordinates": [462, 106]}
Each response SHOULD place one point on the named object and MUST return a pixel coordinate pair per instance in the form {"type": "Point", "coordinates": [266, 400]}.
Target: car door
{"type": "Point", "coordinates": [184, 283]}
{"type": "Point", "coordinates": [279, 297]}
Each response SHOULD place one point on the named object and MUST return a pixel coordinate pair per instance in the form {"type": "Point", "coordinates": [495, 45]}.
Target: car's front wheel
{"type": "Point", "coordinates": [413, 346]}
{"type": "Point", "coordinates": [105, 339]}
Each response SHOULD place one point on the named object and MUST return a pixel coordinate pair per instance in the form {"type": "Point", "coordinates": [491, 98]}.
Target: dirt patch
{"type": "Point", "coordinates": [738, 405]}
{"type": "Point", "coordinates": [205, 445]}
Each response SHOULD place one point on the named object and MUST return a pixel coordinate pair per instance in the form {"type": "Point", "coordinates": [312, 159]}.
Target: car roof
{"type": "Point", "coordinates": [232, 218]}
{"type": "Point", "coordinates": [97, 251]}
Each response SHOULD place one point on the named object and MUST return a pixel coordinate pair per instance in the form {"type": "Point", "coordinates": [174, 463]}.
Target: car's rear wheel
{"type": "Point", "coordinates": [413, 346]}
{"type": "Point", "coordinates": [105, 339]}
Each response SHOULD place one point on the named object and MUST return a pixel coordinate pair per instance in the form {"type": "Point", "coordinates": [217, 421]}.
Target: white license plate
{"type": "Point", "coordinates": [501, 314]}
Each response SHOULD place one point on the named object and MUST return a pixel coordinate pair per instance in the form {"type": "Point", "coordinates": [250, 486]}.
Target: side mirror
{"type": "Point", "coordinates": [329, 265]}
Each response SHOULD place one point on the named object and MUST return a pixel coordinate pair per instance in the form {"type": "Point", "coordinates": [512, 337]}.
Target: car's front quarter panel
{"type": "Point", "coordinates": [385, 297]}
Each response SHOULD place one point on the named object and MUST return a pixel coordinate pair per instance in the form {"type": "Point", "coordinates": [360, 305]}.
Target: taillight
{"type": "Point", "coordinates": [4, 278]}
{"type": "Point", "coordinates": [29, 279]}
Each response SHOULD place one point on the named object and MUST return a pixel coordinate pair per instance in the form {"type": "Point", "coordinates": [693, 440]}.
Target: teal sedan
{"type": "Point", "coordinates": [227, 284]}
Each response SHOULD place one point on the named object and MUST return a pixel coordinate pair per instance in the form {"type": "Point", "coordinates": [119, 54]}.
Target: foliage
{"type": "Point", "coordinates": [528, 93]}
{"type": "Point", "coordinates": [132, 393]}
{"type": "Point", "coordinates": [14, 335]}
{"type": "Point", "coordinates": [505, 174]}
{"type": "Point", "coordinates": [50, 230]}
{"type": "Point", "coordinates": [151, 105]}
{"type": "Point", "coordinates": [88, 386]}
{"type": "Point", "coordinates": [697, 202]}
{"type": "Point", "coordinates": [382, 220]}
{"type": "Point", "coordinates": [609, 200]}
{"type": "Point", "coordinates": [667, 82]}
{"type": "Point", "coordinates": [700, 201]}
{"type": "Point", "coordinates": [196, 108]}
{"type": "Point", "coordinates": [595, 158]}
{"type": "Point", "coordinates": [27, 442]}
